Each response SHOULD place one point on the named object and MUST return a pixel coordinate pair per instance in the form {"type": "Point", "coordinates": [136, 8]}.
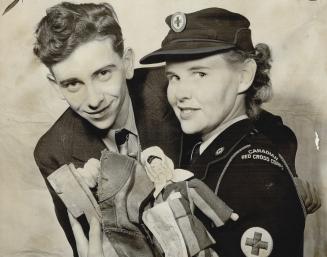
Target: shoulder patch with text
{"type": "Point", "coordinates": [263, 155]}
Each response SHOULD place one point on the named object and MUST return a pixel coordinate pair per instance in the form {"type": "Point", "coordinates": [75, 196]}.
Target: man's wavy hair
{"type": "Point", "coordinates": [66, 26]}
{"type": "Point", "coordinates": [260, 91]}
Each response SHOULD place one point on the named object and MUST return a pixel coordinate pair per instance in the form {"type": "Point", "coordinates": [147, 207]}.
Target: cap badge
{"type": "Point", "coordinates": [256, 241]}
{"type": "Point", "coordinates": [178, 22]}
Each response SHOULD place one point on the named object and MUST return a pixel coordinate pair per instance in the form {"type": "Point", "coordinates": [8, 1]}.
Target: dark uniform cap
{"type": "Point", "coordinates": [202, 32]}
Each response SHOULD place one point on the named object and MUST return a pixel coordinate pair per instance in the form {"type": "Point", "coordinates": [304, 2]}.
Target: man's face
{"type": "Point", "coordinates": [93, 81]}
{"type": "Point", "coordinates": [203, 93]}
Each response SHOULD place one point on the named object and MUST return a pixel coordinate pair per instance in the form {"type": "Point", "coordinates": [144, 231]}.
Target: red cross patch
{"type": "Point", "coordinates": [256, 242]}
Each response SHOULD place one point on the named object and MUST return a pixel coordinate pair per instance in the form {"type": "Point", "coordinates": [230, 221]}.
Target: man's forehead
{"type": "Point", "coordinates": [88, 57]}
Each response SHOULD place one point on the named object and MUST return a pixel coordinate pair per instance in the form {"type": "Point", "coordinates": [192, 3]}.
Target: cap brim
{"type": "Point", "coordinates": [186, 50]}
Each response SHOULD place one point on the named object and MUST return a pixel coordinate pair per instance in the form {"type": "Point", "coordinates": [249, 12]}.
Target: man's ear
{"type": "Point", "coordinates": [51, 78]}
{"type": "Point", "coordinates": [128, 60]}
{"type": "Point", "coordinates": [247, 73]}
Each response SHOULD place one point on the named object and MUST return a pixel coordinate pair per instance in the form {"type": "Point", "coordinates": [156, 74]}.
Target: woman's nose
{"type": "Point", "coordinates": [183, 91]}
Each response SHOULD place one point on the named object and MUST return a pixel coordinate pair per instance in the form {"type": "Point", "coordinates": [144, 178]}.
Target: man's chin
{"type": "Point", "coordinates": [100, 124]}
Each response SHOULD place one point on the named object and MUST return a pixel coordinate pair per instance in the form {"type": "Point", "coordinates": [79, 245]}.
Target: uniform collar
{"type": "Point", "coordinates": [223, 127]}
{"type": "Point", "coordinates": [221, 147]}
{"type": "Point", "coordinates": [223, 144]}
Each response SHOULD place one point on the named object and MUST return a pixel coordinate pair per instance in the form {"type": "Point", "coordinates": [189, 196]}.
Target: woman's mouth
{"type": "Point", "coordinates": [187, 112]}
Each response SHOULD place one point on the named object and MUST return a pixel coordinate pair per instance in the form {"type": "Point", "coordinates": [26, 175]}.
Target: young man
{"type": "Point", "coordinates": [217, 82]}
{"type": "Point", "coordinates": [82, 45]}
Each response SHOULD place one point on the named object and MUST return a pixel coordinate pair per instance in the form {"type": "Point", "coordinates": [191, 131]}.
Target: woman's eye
{"type": "Point", "coordinates": [200, 74]}
{"type": "Point", "coordinates": [172, 78]}
{"type": "Point", "coordinates": [104, 75]}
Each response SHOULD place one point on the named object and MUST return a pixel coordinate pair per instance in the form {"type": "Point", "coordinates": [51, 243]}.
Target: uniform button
{"type": "Point", "coordinates": [219, 151]}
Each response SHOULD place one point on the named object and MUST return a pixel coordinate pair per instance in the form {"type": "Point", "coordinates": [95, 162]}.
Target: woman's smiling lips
{"type": "Point", "coordinates": [186, 112]}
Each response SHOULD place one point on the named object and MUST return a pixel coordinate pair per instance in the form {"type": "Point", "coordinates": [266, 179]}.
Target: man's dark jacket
{"type": "Point", "coordinates": [74, 140]}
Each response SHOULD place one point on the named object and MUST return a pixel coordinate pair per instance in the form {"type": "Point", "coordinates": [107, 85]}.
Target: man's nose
{"type": "Point", "coordinates": [95, 97]}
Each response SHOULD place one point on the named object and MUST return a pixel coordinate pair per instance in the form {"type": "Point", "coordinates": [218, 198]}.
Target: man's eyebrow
{"type": "Point", "coordinates": [109, 66]}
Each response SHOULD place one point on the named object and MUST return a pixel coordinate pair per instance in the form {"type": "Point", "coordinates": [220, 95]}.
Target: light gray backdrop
{"type": "Point", "coordinates": [296, 31]}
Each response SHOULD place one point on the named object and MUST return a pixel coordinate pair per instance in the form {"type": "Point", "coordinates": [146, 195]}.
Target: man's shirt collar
{"type": "Point", "coordinates": [130, 125]}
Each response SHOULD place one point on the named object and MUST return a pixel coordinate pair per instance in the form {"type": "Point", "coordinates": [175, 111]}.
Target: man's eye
{"type": "Point", "coordinates": [104, 75]}
{"type": "Point", "coordinates": [72, 86]}
{"type": "Point", "coordinates": [200, 74]}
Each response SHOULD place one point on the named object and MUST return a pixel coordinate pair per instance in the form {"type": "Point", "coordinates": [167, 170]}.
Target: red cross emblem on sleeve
{"type": "Point", "coordinates": [256, 242]}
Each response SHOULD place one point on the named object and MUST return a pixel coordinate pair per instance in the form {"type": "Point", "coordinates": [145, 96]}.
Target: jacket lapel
{"type": "Point", "coordinates": [86, 142]}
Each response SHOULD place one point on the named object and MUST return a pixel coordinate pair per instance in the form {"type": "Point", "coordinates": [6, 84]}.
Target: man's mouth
{"type": "Point", "coordinates": [99, 113]}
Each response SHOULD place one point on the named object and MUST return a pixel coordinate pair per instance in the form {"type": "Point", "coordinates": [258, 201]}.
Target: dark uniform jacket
{"type": "Point", "coordinates": [253, 173]}
{"type": "Point", "coordinates": [73, 140]}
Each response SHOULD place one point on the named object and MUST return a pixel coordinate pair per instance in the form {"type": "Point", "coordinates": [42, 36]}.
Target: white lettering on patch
{"type": "Point", "coordinates": [263, 155]}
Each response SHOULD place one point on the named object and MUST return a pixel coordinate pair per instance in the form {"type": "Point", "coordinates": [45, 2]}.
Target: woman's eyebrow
{"type": "Point", "coordinates": [169, 73]}
{"type": "Point", "coordinates": [198, 68]}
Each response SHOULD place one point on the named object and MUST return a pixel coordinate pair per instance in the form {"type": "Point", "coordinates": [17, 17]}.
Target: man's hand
{"type": "Point", "coordinates": [97, 245]}
{"type": "Point", "coordinates": [309, 194]}
{"type": "Point", "coordinates": [85, 248]}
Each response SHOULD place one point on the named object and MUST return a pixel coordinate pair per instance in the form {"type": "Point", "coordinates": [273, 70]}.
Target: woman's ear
{"type": "Point", "coordinates": [53, 82]}
{"type": "Point", "coordinates": [128, 60]}
{"type": "Point", "coordinates": [248, 70]}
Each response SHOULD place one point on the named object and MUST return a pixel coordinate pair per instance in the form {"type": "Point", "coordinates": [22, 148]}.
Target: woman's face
{"type": "Point", "coordinates": [204, 93]}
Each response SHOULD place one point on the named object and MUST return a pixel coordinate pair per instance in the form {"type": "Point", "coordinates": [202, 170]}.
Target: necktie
{"type": "Point", "coordinates": [121, 138]}
{"type": "Point", "coordinates": [195, 152]}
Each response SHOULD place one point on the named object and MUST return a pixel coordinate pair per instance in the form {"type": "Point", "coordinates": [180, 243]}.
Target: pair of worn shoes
{"type": "Point", "coordinates": [124, 188]}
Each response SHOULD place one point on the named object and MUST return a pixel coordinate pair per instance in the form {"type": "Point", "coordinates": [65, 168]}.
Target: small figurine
{"type": "Point", "coordinates": [172, 220]}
